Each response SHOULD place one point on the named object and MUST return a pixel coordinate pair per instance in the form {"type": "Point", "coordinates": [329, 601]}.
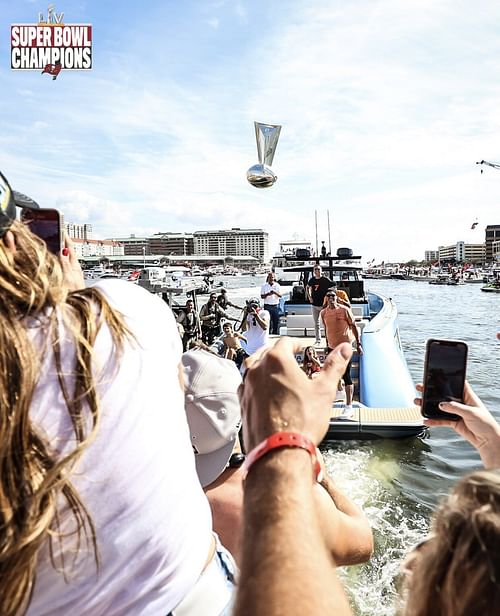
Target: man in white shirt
{"type": "Point", "coordinates": [270, 292]}
{"type": "Point", "coordinates": [256, 325]}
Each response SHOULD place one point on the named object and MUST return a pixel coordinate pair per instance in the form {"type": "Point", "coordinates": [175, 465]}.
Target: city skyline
{"type": "Point", "coordinates": [385, 109]}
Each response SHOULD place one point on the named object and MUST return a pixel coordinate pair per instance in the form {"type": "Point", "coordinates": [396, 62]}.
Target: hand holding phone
{"type": "Point", "coordinates": [46, 224]}
{"type": "Point", "coordinates": [444, 376]}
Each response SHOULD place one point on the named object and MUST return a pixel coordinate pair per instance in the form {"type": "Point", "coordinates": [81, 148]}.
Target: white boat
{"type": "Point", "coordinates": [168, 283]}
{"type": "Point", "coordinates": [292, 249]}
{"type": "Point", "coordinates": [384, 389]}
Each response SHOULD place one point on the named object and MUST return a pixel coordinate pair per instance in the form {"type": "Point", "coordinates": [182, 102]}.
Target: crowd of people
{"type": "Point", "coordinates": [233, 338]}
{"type": "Point", "coordinates": [120, 497]}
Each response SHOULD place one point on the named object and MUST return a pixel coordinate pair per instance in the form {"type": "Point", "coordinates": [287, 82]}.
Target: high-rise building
{"type": "Point", "coordinates": [232, 242]}
{"type": "Point", "coordinates": [492, 234]}
{"type": "Point", "coordinates": [78, 232]}
{"type": "Point", "coordinates": [495, 250]}
{"type": "Point", "coordinates": [171, 244]}
{"type": "Point", "coordinates": [463, 253]}
{"type": "Point", "coordinates": [133, 245]}
{"type": "Point", "coordinates": [431, 255]}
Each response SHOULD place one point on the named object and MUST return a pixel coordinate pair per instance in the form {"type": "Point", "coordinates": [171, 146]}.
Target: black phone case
{"type": "Point", "coordinates": [440, 414]}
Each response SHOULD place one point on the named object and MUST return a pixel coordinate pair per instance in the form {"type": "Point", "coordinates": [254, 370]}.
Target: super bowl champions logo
{"type": "Point", "coordinates": [51, 45]}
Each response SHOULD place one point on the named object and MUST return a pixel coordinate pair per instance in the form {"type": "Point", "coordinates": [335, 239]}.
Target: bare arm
{"type": "Point", "coordinates": [286, 566]}
{"type": "Point", "coordinates": [316, 361]}
{"type": "Point", "coordinates": [260, 320]}
{"type": "Point", "coordinates": [308, 293]}
{"type": "Point", "coordinates": [354, 329]}
{"type": "Point", "coordinates": [346, 530]}
{"type": "Point", "coordinates": [225, 496]}
{"type": "Point", "coordinates": [477, 425]}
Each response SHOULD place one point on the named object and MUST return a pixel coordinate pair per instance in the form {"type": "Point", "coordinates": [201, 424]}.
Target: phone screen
{"type": "Point", "coordinates": [46, 224]}
{"type": "Point", "coordinates": [444, 376]}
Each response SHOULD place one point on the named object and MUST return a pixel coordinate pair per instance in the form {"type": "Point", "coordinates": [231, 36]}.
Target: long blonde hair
{"type": "Point", "coordinates": [32, 475]}
{"type": "Point", "coordinates": [458, 573]}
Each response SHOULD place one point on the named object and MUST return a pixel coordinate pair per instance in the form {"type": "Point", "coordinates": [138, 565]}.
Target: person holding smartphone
{"type": "Point", "coordinates": [457, 571]}
{"type": "Point", "coordinates": [255, 326]}
{"type": "Point", "coordinates": [102, 511]}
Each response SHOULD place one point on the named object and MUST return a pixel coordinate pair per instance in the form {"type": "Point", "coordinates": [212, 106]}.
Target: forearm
{"type": "Point", "coordinates": [355, 333]}
{"type": "Point", "coordinates": [286, 567]}
{"type": "Point", "coordinates": [261, 322]}
{"type": "Point", "coordinates": [346, 530]}
{"type": "Point", "coordinates": [490, 450]}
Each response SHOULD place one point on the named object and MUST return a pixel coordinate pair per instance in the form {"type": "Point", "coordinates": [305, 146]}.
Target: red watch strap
{"type": "Point", "coordinates": [284, 439]}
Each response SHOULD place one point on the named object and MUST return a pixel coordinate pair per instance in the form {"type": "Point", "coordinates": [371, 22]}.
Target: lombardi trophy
{"type": "Point", "coordinates": [267, 135]}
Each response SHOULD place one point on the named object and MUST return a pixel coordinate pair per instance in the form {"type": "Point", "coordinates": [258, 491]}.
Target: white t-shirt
{"type": "Point", "coordinates": [137, 479]}
{"type": "Point", "coordinates": [255, 335]}
{"type": "Point", "coordinates": [271, 300]}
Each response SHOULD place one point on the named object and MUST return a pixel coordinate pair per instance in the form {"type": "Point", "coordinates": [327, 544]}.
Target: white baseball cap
{"type": "Point", "coordinates": [212, 409]}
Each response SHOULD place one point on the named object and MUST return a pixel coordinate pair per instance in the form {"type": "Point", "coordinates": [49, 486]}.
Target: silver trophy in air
{"type": "Point", "coordinates": [267, 135]}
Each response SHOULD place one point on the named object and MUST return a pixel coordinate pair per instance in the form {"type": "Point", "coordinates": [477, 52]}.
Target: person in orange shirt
{"type": "Point", "coordinates": [340, 326]}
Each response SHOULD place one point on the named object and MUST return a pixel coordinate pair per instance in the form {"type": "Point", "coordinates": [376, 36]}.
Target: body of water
{"type": "Point", "coordinates": [399, 482]}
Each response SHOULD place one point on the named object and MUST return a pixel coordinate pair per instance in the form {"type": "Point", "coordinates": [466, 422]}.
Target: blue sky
{"type": "Point", "coordinates": [385, 107]}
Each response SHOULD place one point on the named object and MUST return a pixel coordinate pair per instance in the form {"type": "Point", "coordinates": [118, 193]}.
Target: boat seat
{"type": "Point", "coordinates": [298, 294]}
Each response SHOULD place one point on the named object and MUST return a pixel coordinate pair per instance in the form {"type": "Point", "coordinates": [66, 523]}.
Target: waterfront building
{"type": "Point", "coordinates": [431, 256]}
{"type": "Point", "coordinates": [133, 245]}
{"type": "Point", "coordinates": [495, 251]}
{"type": "Point", "coordinates": [97, 248]}
{"type": "Point", "coordinates": [492, 235]}
{"type": "Point", "coordinates": [463, 253]}
{"type": "Point", "coordinates": [232, 242]}
{"type": "Point", "coordinates": [78, 231]}
{"type": "Point", "coordinates": [171, 244]}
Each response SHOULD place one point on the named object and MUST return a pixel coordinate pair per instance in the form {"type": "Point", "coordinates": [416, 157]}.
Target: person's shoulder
{"type": "Point", "coordinates": [123, 294]}
{"type": "Point", "coordinates": [143, 311]}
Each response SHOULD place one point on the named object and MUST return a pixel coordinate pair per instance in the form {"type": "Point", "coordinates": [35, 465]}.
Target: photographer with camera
{"type": "Point", "coordinates": [256, 323]}
{"type": "Point", "coordinates": [211, 315]}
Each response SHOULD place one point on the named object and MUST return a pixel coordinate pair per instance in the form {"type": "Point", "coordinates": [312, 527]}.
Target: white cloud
{"type": "Point", "coordinates": [385, 109]}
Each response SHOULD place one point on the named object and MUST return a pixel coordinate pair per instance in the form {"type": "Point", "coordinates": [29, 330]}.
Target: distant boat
{"type": "Point", "coordinates": [493, 287]}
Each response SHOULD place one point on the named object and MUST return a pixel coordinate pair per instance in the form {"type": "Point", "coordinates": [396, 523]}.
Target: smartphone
{"type": "Point", "coordinates": [444, 376]}
{"type": "Point", "coordinates": [46, 224]}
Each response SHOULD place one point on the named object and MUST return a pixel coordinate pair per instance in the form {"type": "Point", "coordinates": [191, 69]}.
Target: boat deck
{"type": "Point", "coordinates": [374, 416]}
{"type": "Point", "coordinates": [370, 423]}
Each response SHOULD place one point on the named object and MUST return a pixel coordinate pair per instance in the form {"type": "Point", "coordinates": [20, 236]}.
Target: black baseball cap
{"type": "Point", "coordinates": [9, 200]}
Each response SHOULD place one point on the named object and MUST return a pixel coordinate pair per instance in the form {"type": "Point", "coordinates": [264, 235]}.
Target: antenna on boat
{"type": "Point", "coordinates": [329, 236]}
{"type": "Point", "coordinates": [316, 226]}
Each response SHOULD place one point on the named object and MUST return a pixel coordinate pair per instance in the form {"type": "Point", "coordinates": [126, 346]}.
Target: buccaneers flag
{"type": "Point", "coordinates": [53, 69]}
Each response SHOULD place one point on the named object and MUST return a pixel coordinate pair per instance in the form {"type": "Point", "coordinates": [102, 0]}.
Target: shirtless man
{"type": "Point", "coordinates": [340, 326]}
{"type": "Point", "coordinates": [232, 346]}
